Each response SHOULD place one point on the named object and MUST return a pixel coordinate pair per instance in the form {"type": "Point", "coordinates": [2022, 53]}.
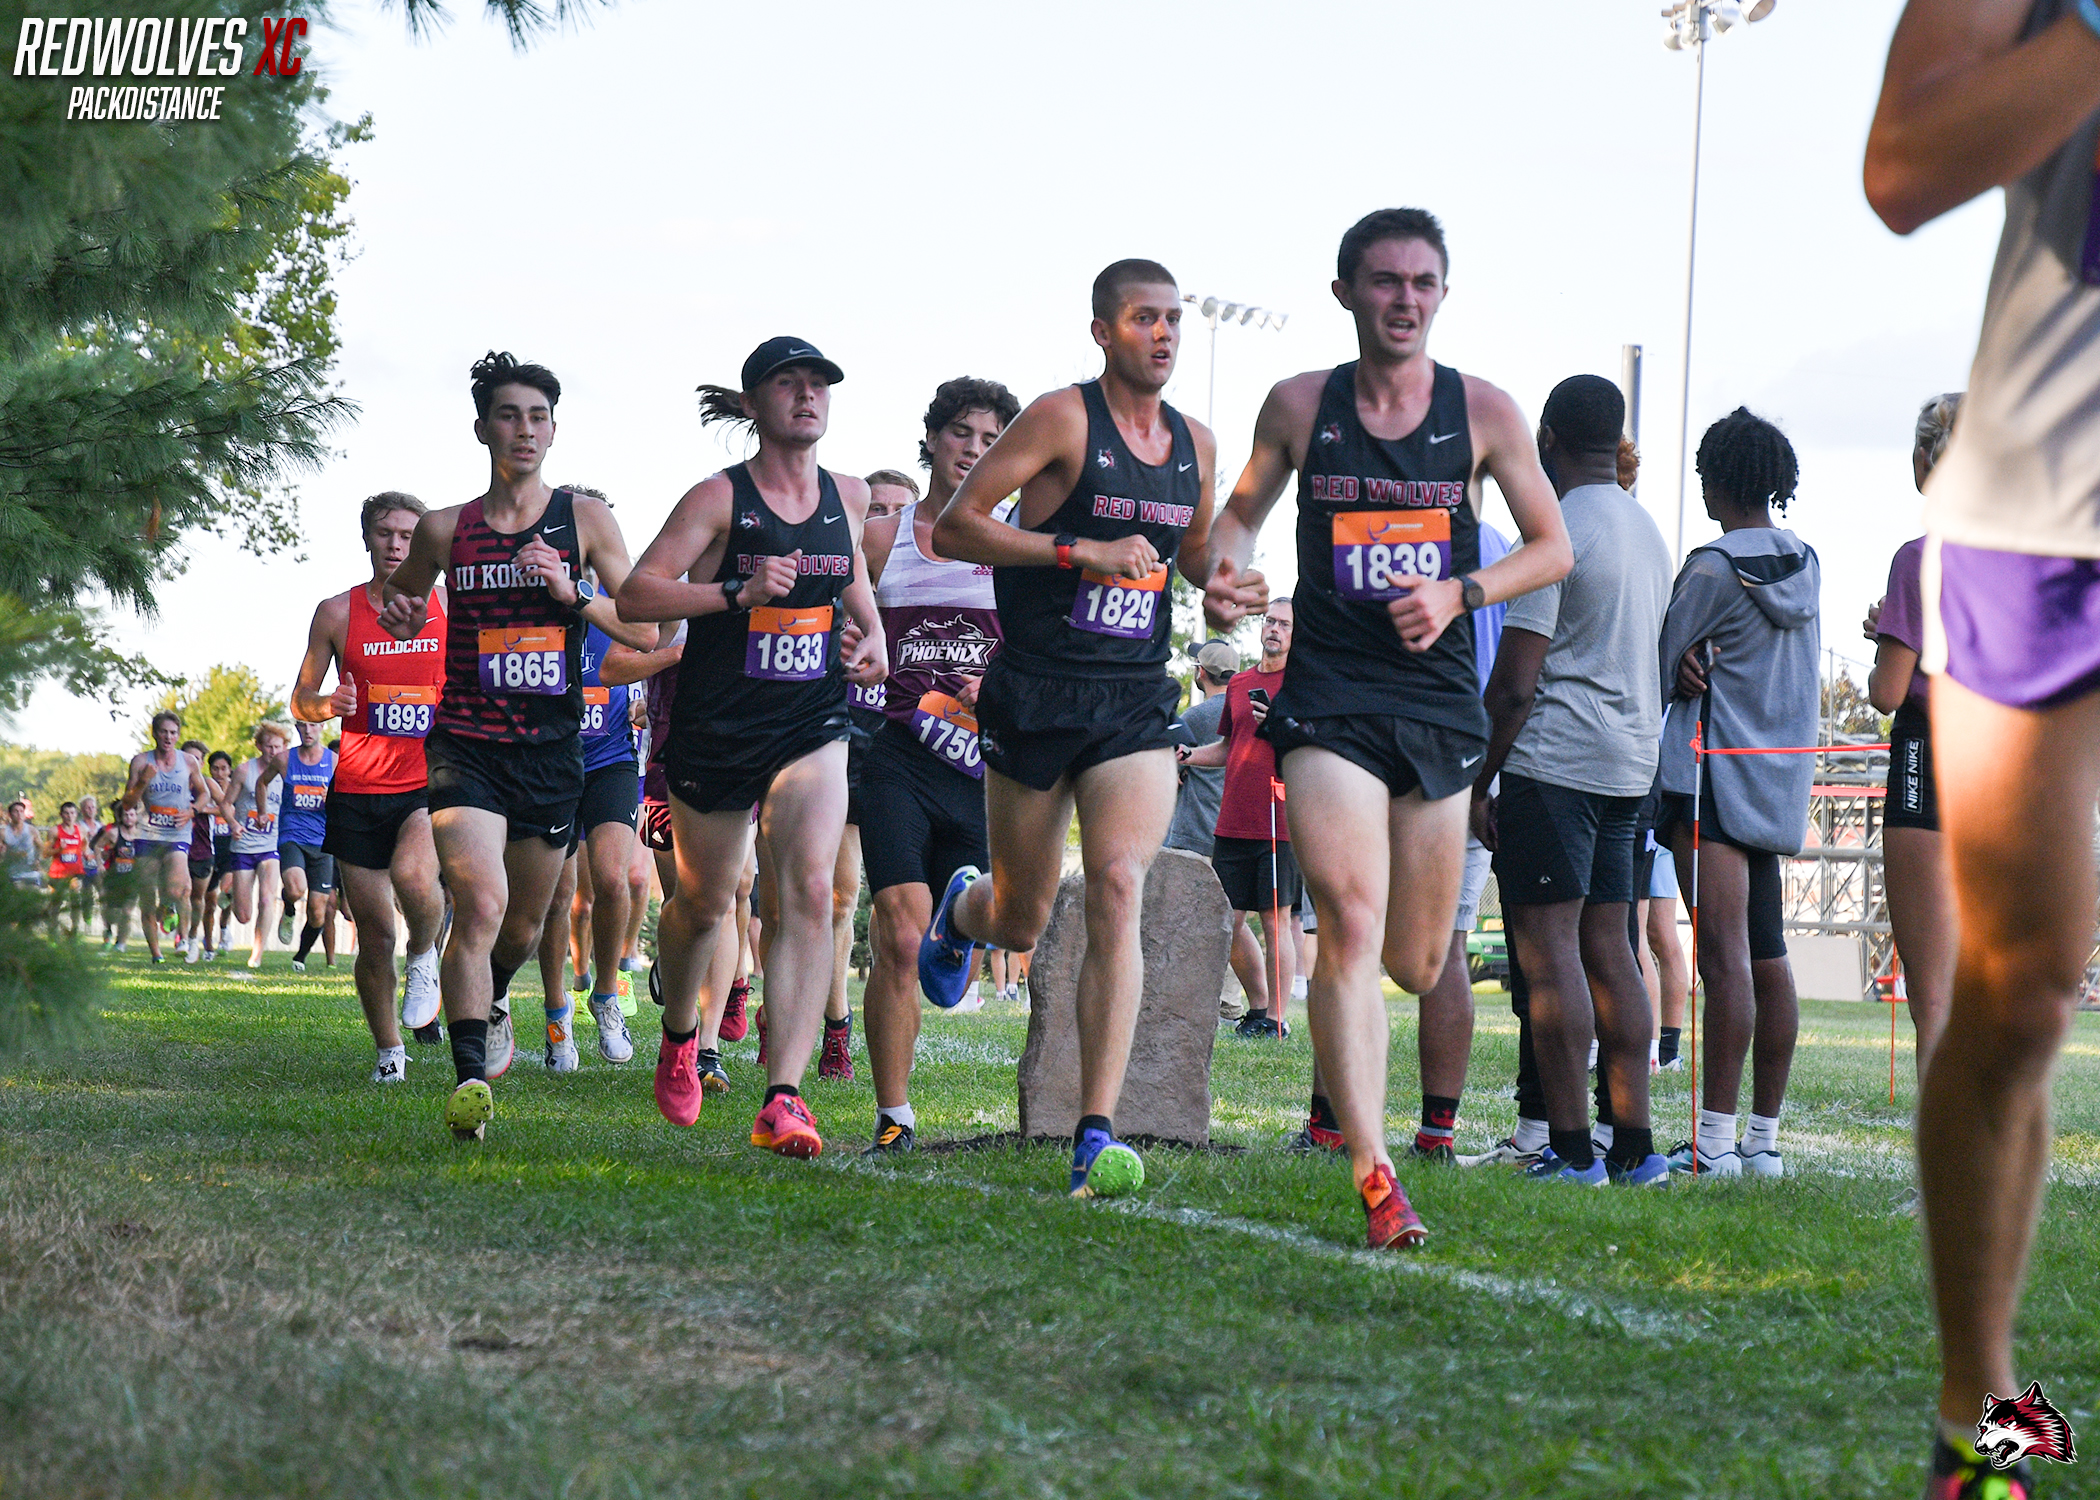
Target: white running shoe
{"type": "Point", "coordinates": [1725, 1164]}
{"type": "Point", "coordinates": [1674, 1065]}
{"type": "Point", "coordinates": [974, 1001]}
{"type": "Point", "coordinates": [502, 1044]}
{"type": "Point", "coordinates": [254, 960]}
{"type": "Point", "coordinates": [298, 966]}
{"type": "Point", "coordinates": [1504, 1153]}
{"type": "Point", "coordinates": [614, 1044]}
{"type": "Point", "coordinates": [393, 1066]}
{"type": "Point", "coordinates": [419, 998]}
{"type": "Point", "coordinates": [190, 951]}
{"type": "Point", "coordinates": [561, 1046]}
{"type": "Point", "coordinates": [1763, 1164]}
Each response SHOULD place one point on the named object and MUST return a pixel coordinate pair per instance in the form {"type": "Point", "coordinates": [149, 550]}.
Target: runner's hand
{"type": "Point", "coordinates": [1421, 614]}
{"type": "Point", "coordinates": [1231, 595]}
{"type": "Point", "coordinates": [966, 695]}
{"type": "Point", "coordinates": [775, 576]}
{"type": "Point", "coordinates": [867, 660]}
{"type": "Point", "coordinates": [539, 560]}
{"type": "Point", "coordinates": [1871, 629]}
{"type": "Point", "coordinates": [342, 703]}
{"type": "Point", "coordinates": [402, 617]}
{"type": "Point", "coordinates": [1691, 674]}
{"type": "Point", "coordinates": [1125, 557]}
{"type": "Point", "coordinates": [1481, 821]}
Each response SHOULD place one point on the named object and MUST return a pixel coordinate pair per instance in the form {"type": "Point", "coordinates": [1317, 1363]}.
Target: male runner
{"type": "Point", "coordinates": [1379, 721]}
{"type": "Point", "coordinates": [117, 844]}
{"type": "Point", "coordinates": [307, 870]}
{"type": "Point", "coordinates": [202, 848]}
{"type": "Point", "coordinates": [1577, 709]}
{"type": "Point", "coordinates": [165, 785]}
{"type": "Point", "coordinates": [67, 851]}
{"type": "Point", "coordinates": [210, 874]}
{"type": "Point", "coordinates": [921, 795]}
{"type": "Point", "coordinates": [258, 804]}
{"type": "Point", "coordinates": [1077, 709]}
{"type": "Point", "coordinates": [505, 765]}
{"type": "Point", "coordinates": [1982, 93]}
{"type": "Point", "coordinates": [377, 823]}
{"type": "Point", "coordinates": [760, 560]}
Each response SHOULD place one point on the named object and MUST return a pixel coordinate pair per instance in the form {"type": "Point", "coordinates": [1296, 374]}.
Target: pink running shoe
{"type": "Point", "coordinates": [678, 1081]}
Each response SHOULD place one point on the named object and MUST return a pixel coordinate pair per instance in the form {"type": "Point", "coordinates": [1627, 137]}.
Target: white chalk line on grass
{"type": "Point", "coordinates": [1638, 1322]}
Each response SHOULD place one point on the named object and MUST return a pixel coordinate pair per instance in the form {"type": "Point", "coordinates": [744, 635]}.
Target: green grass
{"type": "Point", "coordinates": [229, 1265]}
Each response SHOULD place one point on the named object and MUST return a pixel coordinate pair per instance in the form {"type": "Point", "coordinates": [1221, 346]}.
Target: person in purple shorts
{"type": "Point", "coordinates": [1982, 94]}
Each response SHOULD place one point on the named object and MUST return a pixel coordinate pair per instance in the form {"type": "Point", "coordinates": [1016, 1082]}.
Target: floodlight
{"type": "Point", "coordinates": [1760, 9]}
{"type": "Point", "coordinates": [1209, 308]}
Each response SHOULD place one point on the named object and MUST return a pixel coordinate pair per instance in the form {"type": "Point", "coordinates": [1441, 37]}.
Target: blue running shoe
{"type": "Point", "coordinates": [945, 967]}
{"type": "Point", "coordinates": [1551, 1168]}
{"type": "Point", "coordinates": [1103, 1167]}
{"type": "Point", "coordinates": [1653, 1171]}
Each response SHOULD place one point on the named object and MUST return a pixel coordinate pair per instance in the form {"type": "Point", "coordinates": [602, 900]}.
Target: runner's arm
{"type": "Point", "coordinates": [1512, 688]}
{"type": "Point", "coordinates": [658, 588]}
{"type": "Point", "coordinates": [605, 549]}
{"type": "Point", "coordinates": [220, 797]}
{"type": "Point", "coordinates": [1229, 596]}
{"type": "Point", "coordinates": [323, 649]}
{"type": "Point", "coordinates": [876, 539]}
{"type": "Point", "coordinates": [405, 596]}
{"type": "Point", "coordinates": [1966, 106]}
{"type": "Point", "coordinates": [134, 789]}
{"type": "Point", "coordinates": [1048, 435]}
{"type": "Point", "coordinates": [1895, 664]}
{"type": "Point", "coordinates": [624, 664]}
{"type": "Point", "coordinates": [1260, 484]}
{"type": "Point", "coordinates": [867, 660]}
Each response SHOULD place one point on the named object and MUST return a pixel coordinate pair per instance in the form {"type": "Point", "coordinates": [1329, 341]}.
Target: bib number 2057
{"type": "Point", "coordinates": [788, 645]}
{"type": "Point", "coordinates": [1382, 554]}
{"type": "Point", "coordinates": [530, 660]}
{"type": "Point", "coordinates": [1126, 608]}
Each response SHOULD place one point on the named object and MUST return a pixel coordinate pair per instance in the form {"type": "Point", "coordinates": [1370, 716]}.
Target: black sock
{"type": "Point", "coordinates": [1666, 1048]}
{"type": "Point", "coordinates": [499, 980]}
{"type": "Point", "coordinates": [1322, 1113]}
{"type": "Point", "coordinates": [1257, 1012]}
{"type": "Point", "coordinates": [680, 1038]}
{"type": "Point", "coordinates": [308, 936]}
{"type": "Point", "coordinates": [839, 1025]}
{"type": "Point", "coordinates": [1630, 1147]}
{"type": "Point", "coordinates": [1093, 1122]}
{"type": "Point", "coordinates": [1573, 1147]}
{"type": "Point", "coordinates": [470, 1044]}
{"type": "Point", "coordinates": [782, 1088]}
{"type": "Point", "coordinates": [291, 905]}
{"type": "Point", "coordinates": [1439, 1115]}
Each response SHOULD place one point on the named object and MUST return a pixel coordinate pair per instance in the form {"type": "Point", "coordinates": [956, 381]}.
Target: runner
{"type": "Point", "coordinates": [308, 871]}
{"type": "Point", "coordinates": [165, 785]}
{"type": "Point", "coordinates": [67, 845]}
{"type": "Point", "coordinates": [761, 559]}
{"type": "Point", "coordinates": [118, 849]}
{"type": "Point", "coordinates": [376, 819]}
{"type": "Point", "coordinates": [210, 861]}
{"type": "Point", "coordinates": [1379, 722]}
{"type": "Point", "coordinates": [196, 899]}
{"type": "Point", "coordinates": [218, 893]}
{"type": "Point", "coordinates": [1077, 709]}
{"type": "Point", "coordinates": [1978, 95]}
{"type": "Point", "coordinates": [921, 797]}
{"type": "Point", "coordinates": [258, 803]}
{"type": "Point", "coordinates": [505, 762]}
{"type": "Point", "coordinates": [91, 876]}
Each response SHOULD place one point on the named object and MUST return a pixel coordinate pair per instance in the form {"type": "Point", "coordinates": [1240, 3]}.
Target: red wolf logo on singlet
{"type": "Point", "coordinates": [1105, 459]}
{"type": "Point", "coordinates": [2027, 1426]}
{"type": "Point", "coordinates": [1331, 433]}
{"type": "Point", "coordinates": [748, 520]}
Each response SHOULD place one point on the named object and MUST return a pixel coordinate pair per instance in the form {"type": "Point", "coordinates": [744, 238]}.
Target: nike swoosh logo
{"type": "Point", "coordinates": [550, 530]}
{"type": "Point", "coordinates": [829, 519]}
{"type": "Point", "coordinates": [1447, 437]}
{"type": "Point", "coordinates": [1184, 468]}
{"type": "Point", "coordinates": [1467, 765]}
{"type": "Point", "coordinates": [563, 829]}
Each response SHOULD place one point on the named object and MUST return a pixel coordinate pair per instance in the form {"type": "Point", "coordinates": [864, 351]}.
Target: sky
{"type": "Point", "coordinates": [926, 190]}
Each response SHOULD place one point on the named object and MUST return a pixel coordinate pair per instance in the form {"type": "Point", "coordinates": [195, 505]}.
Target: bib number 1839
{"type": "Point", "coordinates": [1382, 554]}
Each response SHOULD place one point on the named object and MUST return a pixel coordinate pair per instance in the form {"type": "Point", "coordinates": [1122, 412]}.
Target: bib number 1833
{"type": "Point", "coordinates": [788, 645]}
{"type": "Point", "coordinates": [1127, 608]}
{"type": "Point", "coordinates": [1382, 554]}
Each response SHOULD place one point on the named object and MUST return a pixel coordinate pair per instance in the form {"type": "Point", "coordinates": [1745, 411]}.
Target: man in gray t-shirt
{"type": "Point", "coordinates": [1195, 824]}
{"type": "Point", "coordinates": [1575, 707]}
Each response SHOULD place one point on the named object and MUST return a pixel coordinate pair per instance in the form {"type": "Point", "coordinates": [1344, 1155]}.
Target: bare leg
{"type": "Point", "coordinates": [1124, 807]}
{"type": "Point", "coordinates": [554, 940]}
{"type": "Point", "coordinates": [1445, 1037]}
{"type": "Point", "coordinates": [1673, 979]}
{"type": "Point", "coordinates": [1624, 1020]}
{"type": "Point", "coordinates": [1921, 914]}
{"type": "Point", "coordinates": [638, 872]}
{"type": "Point", "coordinates": [608, 851]}
{"type": "Point", "coordinates": [890, 1008]}
{"type": "Point", "coordinates": [577, 929]}
{"type": "Point", "coordinates": [1724, 965]}
{"type": "Point", "coordinates": [845, 900]}
{"type": "Point", "coordinates": [1778, 1026]}
{"type": "Point", "coordinates": [371, 897]}
{"type": "Point", "coordinates": [1248, 965]}
{"type": "Point", "coordinates": [1280, 963]}
{"type": "Point", "coordinates": [1548, 942]}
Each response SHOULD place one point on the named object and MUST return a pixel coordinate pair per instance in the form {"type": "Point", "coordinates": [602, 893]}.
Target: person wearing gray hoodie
{"type": "Point", "coordinates": [1739, 655]}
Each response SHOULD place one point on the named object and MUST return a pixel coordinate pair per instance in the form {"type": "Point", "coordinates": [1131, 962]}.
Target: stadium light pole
{"type": "Point", "coordinates": [1216, 310]}
{"type": "Point", "coordinates": [1690, 25]}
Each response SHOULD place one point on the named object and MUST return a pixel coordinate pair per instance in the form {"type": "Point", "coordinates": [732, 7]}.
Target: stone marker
{"type": "Point", "coordinates": [1186, 936]}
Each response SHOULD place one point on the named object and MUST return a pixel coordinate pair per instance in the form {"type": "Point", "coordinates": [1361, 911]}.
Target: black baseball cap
{"type": "Point", "coordinates": [779, 353]}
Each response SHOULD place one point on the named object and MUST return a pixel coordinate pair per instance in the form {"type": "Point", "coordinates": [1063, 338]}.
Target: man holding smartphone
{"type": "Point", "coordinates": [1253, 851]}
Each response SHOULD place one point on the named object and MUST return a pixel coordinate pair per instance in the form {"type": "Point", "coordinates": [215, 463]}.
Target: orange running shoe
{"type": "Point", "coordinates": [678, 1081]}
{"type": "Point", "coordinates": [758, 1019]}
{"type": "Point", "coordinates": [734, 1025]}
{"type": "Point", "coordinates": [1392, 1222]}
{"type": "Point", "coordinates": [785, 1128]}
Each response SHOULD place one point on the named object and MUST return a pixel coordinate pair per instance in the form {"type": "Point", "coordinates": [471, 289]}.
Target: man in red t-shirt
{"type": "Point", "coordinates": [1252, 830]}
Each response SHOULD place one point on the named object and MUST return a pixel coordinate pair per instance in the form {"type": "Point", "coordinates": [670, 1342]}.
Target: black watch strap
{"type": "Point", "coordinates": [732, 591]}
{"type": "Point", "coordinates": [1471, 594]}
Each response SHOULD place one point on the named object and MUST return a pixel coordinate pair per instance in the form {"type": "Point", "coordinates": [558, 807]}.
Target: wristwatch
{"type": "Point", "coordinates": [1065, 543]}
{"type": "Point", "coordinates": [586, 591]}
{"type": "Point", "coordinates": [1470, 593]}
{"type": "Point", "coordinates": [730, 592]}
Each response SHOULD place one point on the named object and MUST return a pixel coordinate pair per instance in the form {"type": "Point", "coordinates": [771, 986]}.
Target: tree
{"type": "Point", "coordinates": [49, 777]}
{"type": "Point", "coordinates": [220, 708]}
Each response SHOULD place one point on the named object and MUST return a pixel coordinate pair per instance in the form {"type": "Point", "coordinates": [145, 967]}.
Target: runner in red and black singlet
{"type": "Point", "coordinates": [378, 817]}
{"type": "Point", "coordinates": [763, 561]}
{"type": "Point", "coordinates": [1378, 723]}
{"type": "Point", "coordinates": [1077, 710]}
{"type": "Point", "coordinates": [505, 767]}
{"type": "Point", "coordinates": [922, 808]}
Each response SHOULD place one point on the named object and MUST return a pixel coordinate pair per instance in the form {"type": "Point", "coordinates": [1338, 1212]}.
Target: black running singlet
{"type": "Point", "coordinates": [513, 657]}
{"type": "Point", "coordinates": [772, 672]}
{"type": "Point", "coordinates": [1067, 621]}
{"type": "Point", "coordinates": [1374, 516]}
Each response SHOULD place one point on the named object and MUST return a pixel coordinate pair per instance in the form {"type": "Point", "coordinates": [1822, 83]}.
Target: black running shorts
{"type": "Point", "coordinates": [1556, 843]}
{"type": "Point", "coordinates": [319, 866]}
{"type": "Point", "coordinates": [1767, 913]}
{"type": "Point", "coordinates": [1039, 730]}
{"type": "Point", "coordinates": [1405, 754]}
{"type": "Point", "coordinates": [866, 725]}
{"type": "Point", "coordinates": [611, 794]}
{"type": "Point", "coordinates": [535, 788]}
{"type": "Point", "coordinates": [1243, 869]}
{"type": "Point", "coordinates": [920, 821]}
{"type": "Point", "coordinates": [721, 773]}
{"type": "Point", "coordinates": [1913, 800]}
{"type": "Point", "coordinates": [656, 825]}
{"type": "Point", "coordinates": [364, 827]}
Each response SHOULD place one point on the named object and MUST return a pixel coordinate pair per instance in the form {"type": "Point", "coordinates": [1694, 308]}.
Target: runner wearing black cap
{"type": "Point", "coordinates": [504, 762]}
{"type": "Point", "coordinates": [1077, 709]}
{"type": "Point", "coordinates": [1379, 720]}
{"type": "Point", "coordinates": [762, 560]}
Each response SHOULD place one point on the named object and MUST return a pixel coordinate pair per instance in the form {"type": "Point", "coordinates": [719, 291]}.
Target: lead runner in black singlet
{"type": "Point", "coordinates": [505, 768]}
{"type": "Point", "coordinates": [764, 563]}
{"type": "Point", "coordinates": [1077, 708]}
{"type": "Point", "coordinates": [1378, 722]}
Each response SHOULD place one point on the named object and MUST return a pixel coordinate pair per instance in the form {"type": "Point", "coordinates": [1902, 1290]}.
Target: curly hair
{"type": "Point", "coordinates": [494, 369]}
{"type": "Point", "coordinates": [963, 394]}
{"type": "Point", "coordinates": [1936, 426]}
{"type": "Point", "coordinates": [1748, 461]}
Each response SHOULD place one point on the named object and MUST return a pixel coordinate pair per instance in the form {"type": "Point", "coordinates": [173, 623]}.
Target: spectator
{"type": "Point", "coordinates": [1196, 807]}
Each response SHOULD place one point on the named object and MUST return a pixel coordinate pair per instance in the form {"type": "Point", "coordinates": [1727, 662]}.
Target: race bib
{"type": "Point", "coordinates": [597, 703]}
{"type": "Point", "coordinates": [259, 821]}
{"type": "Point", "coordinates": [948, 729]}
{"type": "Point", "coordinates": [788, 645]}
{"type": "Point", "coordinates": [869, 695]}
{"type": "Point", "coordinates": [1382, 554]}
{"type": "Point", "coordinates": [528, 659]}
{"type": "Point", "coordinates": [166, 819]}
{"type": "Point", "coordinates": [309, 798]}
{"type": "Point", "coordinates": [1126, 608]}
{"type": "Point", "coordinates": [400, 712]}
